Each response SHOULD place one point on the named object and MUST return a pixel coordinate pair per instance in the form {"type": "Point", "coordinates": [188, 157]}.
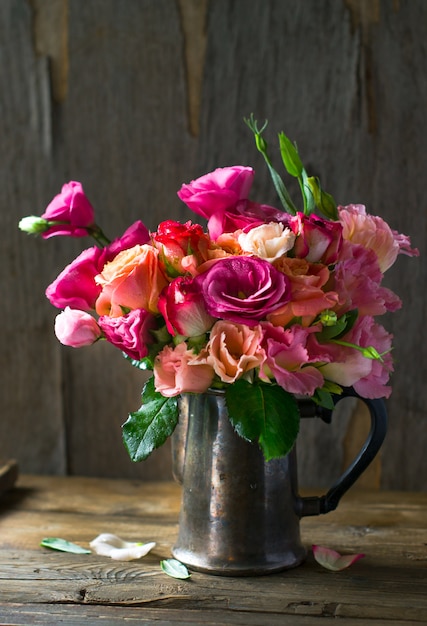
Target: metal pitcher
{"type": "Point", "coordinates": [240, 514]}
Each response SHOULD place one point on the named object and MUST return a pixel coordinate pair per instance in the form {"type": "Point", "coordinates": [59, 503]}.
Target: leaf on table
{"type": "Point", "coordinates": [56, 543]}
{"type": "Point", "coordinates": [175, 568]}
{"type": "Point", "coordinates": [332, 560]}
{"type": "Point", "coordinates": [113, 546]}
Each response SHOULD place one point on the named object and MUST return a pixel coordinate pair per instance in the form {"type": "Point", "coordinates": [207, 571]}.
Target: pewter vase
{"type": "Point", "coordinates": [240, 515]}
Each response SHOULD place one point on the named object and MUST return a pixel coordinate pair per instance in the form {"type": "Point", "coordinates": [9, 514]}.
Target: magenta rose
{"type": "Point", "coordinates": [243, 289]}
{"type": "Point", "coordinates": [317, 239]}
{"type": "Point", "coordinates": [244, 215]}
{"type": "Point", "coordinates": [75, 286]}
{"type": "Point", "coordinates": [76, 328]}
{"type": "Point", "coordinates": [222, 198]}
{"type": "Point", "coordinates": [183, 308]}
{"type": "Point", "coordinates": [137, 234]}
{"type": "Point", "coordinates": [217, 191]}
{"type": "Point", "coordinates": [72, 210]}
{"type": "Point", "coordinates": [130, 333]}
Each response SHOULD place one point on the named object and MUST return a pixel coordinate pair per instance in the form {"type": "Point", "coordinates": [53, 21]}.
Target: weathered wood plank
{"type": "Point", "coordinates": [75, 615]}
{"type": "Point", "coordinates": [135, 98]}
{"type": "Point", "coordinates": [388, 585]}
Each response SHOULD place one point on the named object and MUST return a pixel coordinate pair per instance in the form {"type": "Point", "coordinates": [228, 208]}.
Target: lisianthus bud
{"type": "Point", "coordinates": [33, 225]}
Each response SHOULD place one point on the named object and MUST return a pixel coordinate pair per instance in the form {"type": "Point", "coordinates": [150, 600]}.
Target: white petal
{"type": "Point", "coordinates": [129, 554]}
{"type": "Point", "coordinates": [113, 546]}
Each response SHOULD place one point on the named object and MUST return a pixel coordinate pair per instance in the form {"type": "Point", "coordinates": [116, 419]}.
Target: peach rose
{"type": "Point", "coordinates": [175, 372]}
{"type": "Point", "coordinates": [268, 241]}
{"type": "Point", "coordinates": [233, 349]}
{"type": "Point", "coordinates": [132, 280]}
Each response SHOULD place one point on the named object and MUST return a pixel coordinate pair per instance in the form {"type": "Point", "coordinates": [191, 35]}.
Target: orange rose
{"type": "Point", "coordinates": [132, 280]}
{"type": "Point", "coordinates": [233, 350]}
{"type": "Point", "coordinates": [309, 296]}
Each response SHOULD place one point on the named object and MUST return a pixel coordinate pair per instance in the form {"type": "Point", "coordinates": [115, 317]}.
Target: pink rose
{"type": "Point", "coordinates": [289, 359]}
{"type": "Point", "coordinates": [374, 233]}
{"type": "Point", "coordinates": [183, 308]}
{"type": "Point", "coordinates": [357, 279]}
{"type": "Point", "coordinates": [130, 333]}
{"type": "Point", "coordinates": [132, 280]}
{"type": "Point", "coordinates": [348, 367]}
{"type": "Point", "coordinates": [374, 385]}
{"type": "Point", "coordinates": [72, 209]}
{"type": "Point", "coordinates": [75, 286]}
{"type": "Point", "coordinates": [76, 328]}
{"type": "Point", "coordinates": [174, 372]}
{"type": "Point", "coordinates": [243, 289]}
{"type": "Point", "coordinates": [317, 239]}
{"type": "Point", "coordinates": [221, 197]}
{"type": "Point", "coordinates": [233, 350]}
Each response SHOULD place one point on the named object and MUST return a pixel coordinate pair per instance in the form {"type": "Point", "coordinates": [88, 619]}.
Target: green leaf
{"type": "Point", "coordinates": [55, 543]}
{"type": "Point", "coordinates": [324, 398]}
{"type": "Point", "coordinates": [175, 568]}
{"type": "Point", "coordinates": [143, 364]}
{"type": "Point", "coordinates": [290, 156]}
{"type": "Point", "coordinates": [265, 414]}
{"type": "Point", "coordinates": [150, 426]}
{"type": "Point", "coordinates": [309, 200]}
{"type": "Point", "coordinates": [324, 201]}
{"type": "Point", "coordinates": [341, 327]}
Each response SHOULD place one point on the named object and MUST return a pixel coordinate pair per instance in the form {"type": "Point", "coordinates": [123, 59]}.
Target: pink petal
{"type": "Point", "coordinates": [333, 560]}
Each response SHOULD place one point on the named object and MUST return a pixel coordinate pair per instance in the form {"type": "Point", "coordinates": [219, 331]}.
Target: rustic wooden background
{"type": "Point", "coordinates": [134, 97]}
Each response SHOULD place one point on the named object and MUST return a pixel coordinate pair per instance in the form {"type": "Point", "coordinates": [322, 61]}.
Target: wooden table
{"type": "Point", "coordinates": [41, 586]}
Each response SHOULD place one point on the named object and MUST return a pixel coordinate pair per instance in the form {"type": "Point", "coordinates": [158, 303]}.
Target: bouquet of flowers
{"type": "Point", "coordinates": [266, 304]}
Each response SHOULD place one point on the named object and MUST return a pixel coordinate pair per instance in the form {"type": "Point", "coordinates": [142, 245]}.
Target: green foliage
{"type": "Point", "coordinates": [262, 147]}
{"type": "Point", "coordinates": [265, 414]}
{"type": "Point", "coordinates": [150, 426]}
{"type": "Point", "coordinates": [312, 193]}
{"type": "Point", "coordinates": [341, 327]}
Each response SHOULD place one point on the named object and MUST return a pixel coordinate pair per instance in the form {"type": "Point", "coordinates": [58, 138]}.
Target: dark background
{"type": "Point", "coordinates": [135, 97]}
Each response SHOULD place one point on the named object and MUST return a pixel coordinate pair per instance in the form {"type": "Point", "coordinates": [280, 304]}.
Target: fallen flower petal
{"type": "Point", "coordinates": [333, 560]}
{"type": "Point", "coordinates": [113, 546]}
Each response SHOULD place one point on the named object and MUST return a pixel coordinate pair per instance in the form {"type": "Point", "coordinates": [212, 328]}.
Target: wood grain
{"type": "Point", "coordinates": [387, 586]}
{"type": "Point", "coordinates": [105, 99]}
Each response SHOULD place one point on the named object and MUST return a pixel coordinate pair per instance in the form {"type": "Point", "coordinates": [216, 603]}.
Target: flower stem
{"type": "Point", "coordinates": [96, 232]}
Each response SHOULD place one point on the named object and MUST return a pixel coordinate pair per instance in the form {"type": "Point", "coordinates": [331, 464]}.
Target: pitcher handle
{"type": "Point", "coordinates": [316, 505]}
